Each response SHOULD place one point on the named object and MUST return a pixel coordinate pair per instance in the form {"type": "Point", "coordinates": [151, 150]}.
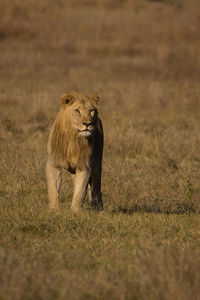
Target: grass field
{"type": "Point", "coordinates": [144, 58]}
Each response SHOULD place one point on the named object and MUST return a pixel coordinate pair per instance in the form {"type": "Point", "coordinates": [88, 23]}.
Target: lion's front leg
{"type": "Point", "coordinates": [80, 187]}
{"type": "Point", "coordinates": [53, 182]}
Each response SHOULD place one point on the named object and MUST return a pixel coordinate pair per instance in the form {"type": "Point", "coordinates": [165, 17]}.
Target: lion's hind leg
{"type": "Point", "coordinates": [53, 182]}
{"type": "Point", "coordinates": [94, 191]}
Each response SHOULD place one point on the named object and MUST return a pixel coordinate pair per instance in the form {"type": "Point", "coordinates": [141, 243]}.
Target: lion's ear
{"type": "Point", "coordinates": [95, 99]}
{"type": "Point", "coordinates": [67, 99]}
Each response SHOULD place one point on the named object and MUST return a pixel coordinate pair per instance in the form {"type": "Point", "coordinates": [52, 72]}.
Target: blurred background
{"type": "Point", "coordinates": [109, 45]}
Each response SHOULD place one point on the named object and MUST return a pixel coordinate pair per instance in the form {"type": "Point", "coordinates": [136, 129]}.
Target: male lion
{"type": "Point", "coordinates": [76, 145]}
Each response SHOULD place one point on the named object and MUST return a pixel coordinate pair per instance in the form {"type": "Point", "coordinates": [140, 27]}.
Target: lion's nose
{"type": "Point", "coordinates": [87, 123]}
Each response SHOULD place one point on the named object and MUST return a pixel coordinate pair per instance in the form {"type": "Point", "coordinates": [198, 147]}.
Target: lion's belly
{"type": "Point", "coordinates": [71, 168]}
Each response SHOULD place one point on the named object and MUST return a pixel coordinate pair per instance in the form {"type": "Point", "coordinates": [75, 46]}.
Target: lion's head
{"type": "Point", "coordinates": [81, 112]}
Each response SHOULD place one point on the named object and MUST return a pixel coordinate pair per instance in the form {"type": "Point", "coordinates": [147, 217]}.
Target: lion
{"type": "Point", "coordinates": [75, 144]}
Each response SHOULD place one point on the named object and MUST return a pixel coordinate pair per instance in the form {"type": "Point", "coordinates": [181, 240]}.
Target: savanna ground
{"type": "Point", "coordinates": [144, 59]}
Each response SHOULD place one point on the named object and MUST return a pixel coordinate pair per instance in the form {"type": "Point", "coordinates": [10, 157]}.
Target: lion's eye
{"type": "Point", "coordinates": [92, 113]}
{"type": "Point", "coordinates": [77, 111]}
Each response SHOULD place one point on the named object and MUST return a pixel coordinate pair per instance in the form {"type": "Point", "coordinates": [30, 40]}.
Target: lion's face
{"type": "Point", "coordinates": [81, 112]}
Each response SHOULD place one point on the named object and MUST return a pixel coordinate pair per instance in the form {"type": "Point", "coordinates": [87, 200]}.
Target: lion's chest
{"type": "Point", "coordinates": [77, 154]}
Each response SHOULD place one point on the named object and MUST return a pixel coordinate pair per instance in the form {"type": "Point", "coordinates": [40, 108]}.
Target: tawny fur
{"type": "Point", "coordinates": [78, 148]}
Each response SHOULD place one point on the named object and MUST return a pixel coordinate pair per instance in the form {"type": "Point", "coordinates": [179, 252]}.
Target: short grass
{"type": "Point", "coordinates": [146, 243]}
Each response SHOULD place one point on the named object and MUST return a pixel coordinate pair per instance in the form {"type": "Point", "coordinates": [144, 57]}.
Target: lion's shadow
{"type": "Point", "coordinates": [135, 209]}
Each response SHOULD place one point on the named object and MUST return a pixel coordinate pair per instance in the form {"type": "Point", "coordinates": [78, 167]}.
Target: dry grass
{"type": "Point", "coordinates": [144, 58]}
